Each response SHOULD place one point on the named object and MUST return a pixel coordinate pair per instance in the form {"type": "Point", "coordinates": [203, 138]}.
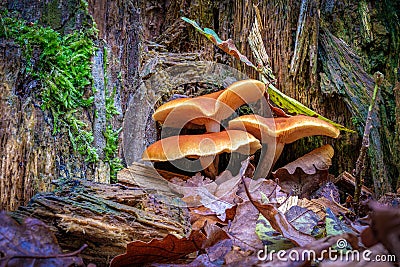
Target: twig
{"type": "Point", "coordinates": [360, 164]}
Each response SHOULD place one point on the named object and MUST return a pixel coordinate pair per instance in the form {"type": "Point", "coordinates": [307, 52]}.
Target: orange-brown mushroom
{"type": "Point", "coordinates": [284, 130]}
{"type": "Point", "coordinates": [210, 109]}
{"type": "Point", "coordinates": [204, 147]}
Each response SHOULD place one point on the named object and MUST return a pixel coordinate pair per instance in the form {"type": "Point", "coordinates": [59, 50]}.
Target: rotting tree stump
{"type": "Point", "coordinates": [108, 217]}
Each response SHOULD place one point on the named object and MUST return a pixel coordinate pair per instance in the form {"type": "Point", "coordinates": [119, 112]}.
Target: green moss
{"type": "Point", "coordinates": [64, 69]}
{"type": "Point", "coordinates": [111, 135]}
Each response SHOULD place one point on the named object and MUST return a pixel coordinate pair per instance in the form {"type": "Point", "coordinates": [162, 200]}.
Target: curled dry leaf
{"type": "Point", "coordinates": [302, 219]}
{"type": "Point", "coordinates": [318, 159]}
{"type": "Point", "coordinates": [279, 222]}
{"type": "Point", "coordinates": [199, 216]}
{"type": "Point", "coordinates": [218, 196]}
{"type": "Point", "coordinates": [170, 248]}
{"type": "Point", "coordinates": [270, 237]}
{"type": "Point", "coordinates": [266, 187]}
{"type": "Point", "coordinates": [334, 226]}
{"type": "Point", "coordinates": [31, 244]}
{"type": "Point", "coordinates": [242, 228]}
{"type": "Point", "coordinates": [305, 174]}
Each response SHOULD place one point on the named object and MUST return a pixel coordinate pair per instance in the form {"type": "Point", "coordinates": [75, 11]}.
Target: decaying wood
{"type": "Point", "coordinates": [360, 164]}
{"type": "Point", "coordinates": [106, 217]}
{"type": "Point", "coordinates": [27, 159]}
{"type": "Point", "coordinates": [348, 78]}
{"type": "Point", "coordinates": [347, 182]}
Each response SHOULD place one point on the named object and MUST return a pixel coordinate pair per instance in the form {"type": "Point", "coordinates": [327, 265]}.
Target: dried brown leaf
{"type": "Point", "coordinates": [242, 229]}
{"type": "Point", "coordinates": [168, 249]}
{"type": "Point", "coordinates": [31, 244]}
{"type": "Point", "coordinates": [157, 251]}
{"type": "Point", "coordinates": [200, 216]}
{"type": "Point", "coordinates": [279, 222]}
{"type": "Point", "coordinates": [302, 219]}
{"type": "Point", "coordinates": [304, 175]}
{"type": "Point", "coordinates": [318, 159]}
{"type": "Point", "coordinates": [218, 195]}
{"type": "Point", "coordinates": [385, 223]}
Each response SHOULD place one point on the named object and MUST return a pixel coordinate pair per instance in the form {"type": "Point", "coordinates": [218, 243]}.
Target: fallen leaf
{"type": "Point", "coordinates": [218, 195]}
{"type": "Point", "coordinates": [279, 223]}
{"type": "Point", "coordinates": [213, 203]}
{"type": "Point", "coordinates": [157, 251]}
{"type": "Point", "coordinates": [323, 203]}
{"type": "Point", "coordinates": [214, 235]}
{"type": "Point", "coordinates": [302, 219]}
{"type": "Point", "coordinates": [385, 223]}
{"type": "Point", "coordinates": [316, 207]}
{"type": "Point", "coordinates": [238, 255]}
{"type": "Point", "coordinates": [242, 228]}
{"type": "Point", "coordinates": [168, 249]}
{"type": "Point", "coordinates": [31, 244]}
{"type": "Point", "coordinates": [199, 216]}
{"type": "Point", "coordinates": [328, 191]}
{"type": "Point", "coordinates": [288, 203]}
{"type": "Point", "coordinates": [266, 187]}
{"type": "Point", "coordinates": [270, 237]}
{"type": "Point", "coordinates": [217, 253]}
{"type": "Point", "coordinates": [334, 226]}
{"type": "Point", "coordinates": [310, 163]}
{"type": "Point", "coordinates": [368, 238]}
{"type": "Point", "coordinates": [305, 174]}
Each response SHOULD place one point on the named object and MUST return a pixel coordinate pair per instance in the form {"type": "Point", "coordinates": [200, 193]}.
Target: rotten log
{"type": "Point", "coordinates": [108, 217]}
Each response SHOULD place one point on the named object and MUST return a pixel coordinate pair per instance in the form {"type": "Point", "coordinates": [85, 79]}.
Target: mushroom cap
{"type": "Point", "coordinates": [195, 146]}
{"type": "Point", "coordinates": [285, 130]}
{"type": "Point", "coordinates": [215, 106]}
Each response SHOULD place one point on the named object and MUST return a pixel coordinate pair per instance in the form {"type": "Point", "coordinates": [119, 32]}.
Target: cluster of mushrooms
{"type": "Point", "coordinates": [245, 134]}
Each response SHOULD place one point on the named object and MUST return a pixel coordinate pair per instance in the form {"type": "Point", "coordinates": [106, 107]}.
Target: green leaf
{"type": "Point", "coordinates": [334, 226]}
{"type": "Point", "coordinates": [295, 107]}
{"type": "Point", "coordinates": [270, 237]}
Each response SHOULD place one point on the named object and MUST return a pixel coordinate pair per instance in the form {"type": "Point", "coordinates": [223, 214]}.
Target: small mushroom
{"type": "Point", "coordinates": [284, 130]}
{"type": "Point", "coordinates": [210, 109]}
{"type": "Point", "coordinates": [203, 147]}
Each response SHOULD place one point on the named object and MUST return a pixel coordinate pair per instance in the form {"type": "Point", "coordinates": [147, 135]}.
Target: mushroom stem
{"type": "Point", "coordinates": [213, 127]}
{"type": "Point", "coordinates": [208, 165]}
{"type": "Point", "coordinates": [266, 163]}
{"type": "Point", "coordinates": [278, 152]}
